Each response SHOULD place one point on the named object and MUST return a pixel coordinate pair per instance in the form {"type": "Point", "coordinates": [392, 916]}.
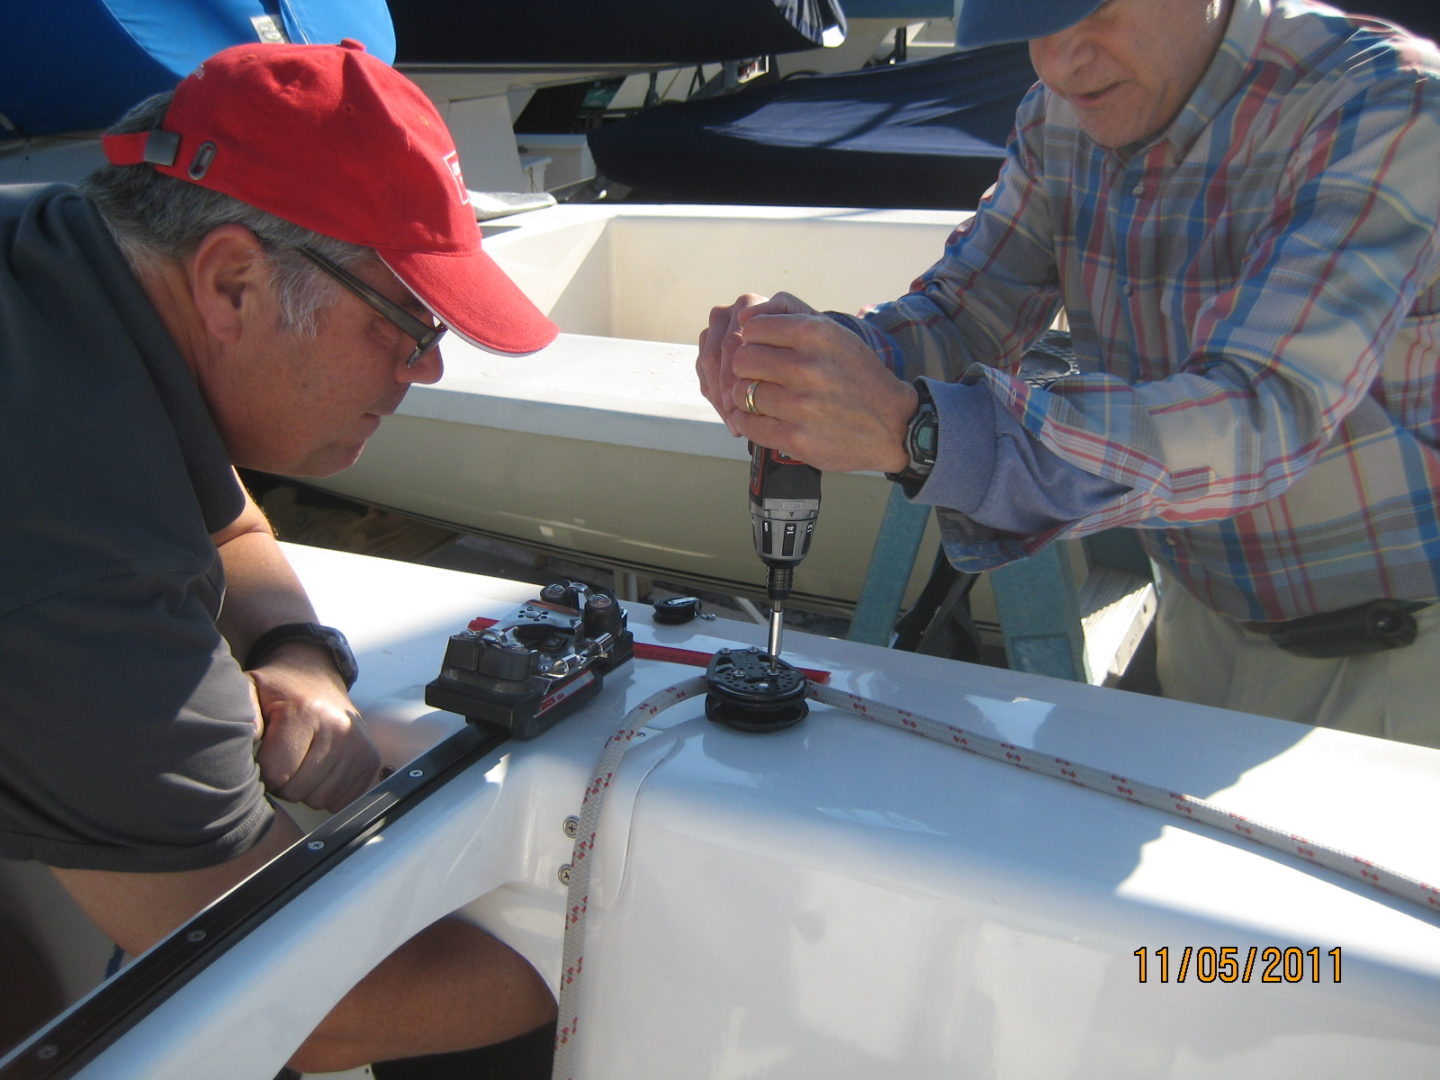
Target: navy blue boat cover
{"type": "Point", "coordinates": [607, 31]}
{"type": "Point", "coordinates": [928, 134]}
{"type": "Point", "coordinates": [77, 65]}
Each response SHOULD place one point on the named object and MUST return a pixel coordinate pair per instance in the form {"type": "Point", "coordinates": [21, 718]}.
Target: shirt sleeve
{"type": "Point", "coordinates": [995, 288]}
{"type": "Point", "coordinates": [1279, 357]}
{"type": "Point", "coordinates": [126, 730]}
{"type": "Point", "coordinates": [990, 470]}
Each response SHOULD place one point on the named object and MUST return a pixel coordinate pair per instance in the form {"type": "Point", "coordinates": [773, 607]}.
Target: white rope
{"type": "Point", "coordinates": [577, 900]}
{"type": "Point", "coordinates": [1184, 806]}
{"type": "Point", "coordinates": [1171, 802]}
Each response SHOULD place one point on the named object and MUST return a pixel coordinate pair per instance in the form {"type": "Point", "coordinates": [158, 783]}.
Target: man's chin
{"type": "Point", "coordinates": [326, 462]}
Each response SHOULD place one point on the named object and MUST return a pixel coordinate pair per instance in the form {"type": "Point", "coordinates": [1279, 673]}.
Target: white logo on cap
{"type": "Point", "coordinates": [452, 161]}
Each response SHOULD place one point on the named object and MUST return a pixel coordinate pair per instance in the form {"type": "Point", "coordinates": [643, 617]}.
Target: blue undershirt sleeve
{"type": "Point", "coordinates": [989, 468]}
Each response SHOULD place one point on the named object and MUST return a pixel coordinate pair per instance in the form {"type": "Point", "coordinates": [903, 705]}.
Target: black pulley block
{"type": "Point", "coordinates": [752, 691]}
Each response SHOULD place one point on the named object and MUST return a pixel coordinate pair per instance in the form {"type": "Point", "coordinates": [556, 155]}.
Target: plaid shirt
{"type": "Point", "coordinates": [1254, 297]}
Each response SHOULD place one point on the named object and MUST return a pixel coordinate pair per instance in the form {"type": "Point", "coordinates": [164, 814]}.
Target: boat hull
{"type": "Point", "coordinates": [600, 447]}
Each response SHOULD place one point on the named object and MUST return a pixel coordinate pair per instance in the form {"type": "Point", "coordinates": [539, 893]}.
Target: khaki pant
{"type": "Point", "coordinates": [1207, 658]}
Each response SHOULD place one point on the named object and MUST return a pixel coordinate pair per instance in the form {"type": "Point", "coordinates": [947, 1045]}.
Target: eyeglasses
{"type": "Point", "coordinates": [426, 336]}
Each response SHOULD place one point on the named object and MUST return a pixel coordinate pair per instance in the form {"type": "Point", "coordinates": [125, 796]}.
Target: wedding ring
{"type": "Point", "coordinates": [750, 399]}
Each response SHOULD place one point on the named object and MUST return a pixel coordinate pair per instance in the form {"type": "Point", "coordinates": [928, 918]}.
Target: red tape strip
{"type": "Point", "coordinates": [666, 653]}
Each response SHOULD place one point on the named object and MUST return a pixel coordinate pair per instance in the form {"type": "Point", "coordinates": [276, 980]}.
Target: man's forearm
{"type": "Point", "coordinates": [261, 588]}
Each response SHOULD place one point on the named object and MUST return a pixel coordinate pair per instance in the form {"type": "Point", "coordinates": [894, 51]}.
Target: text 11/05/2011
{"type": "Point", "coordinates": [1238, 964]}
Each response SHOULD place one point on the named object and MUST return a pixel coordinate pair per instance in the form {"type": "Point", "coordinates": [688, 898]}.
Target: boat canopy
{"type": "Point", "coordinates": [924, 135]}
{"type": "Point", "coordinates": [79, 65]}
{"type": "Point", "coordinates": [490, 32]}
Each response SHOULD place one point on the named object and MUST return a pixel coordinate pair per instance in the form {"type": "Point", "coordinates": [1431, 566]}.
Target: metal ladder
{"type": "Point", "coordinates": [1050, 623]}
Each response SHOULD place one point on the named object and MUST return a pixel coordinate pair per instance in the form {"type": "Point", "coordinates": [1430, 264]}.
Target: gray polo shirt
{"type": "Point", "coordinates": [126, 733]}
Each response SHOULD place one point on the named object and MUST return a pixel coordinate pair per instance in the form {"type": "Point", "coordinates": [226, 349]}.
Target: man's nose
{"type": "Point", "coordinates": [428, 369]}
{"type": "Point", "coordinates": [1058, 56]}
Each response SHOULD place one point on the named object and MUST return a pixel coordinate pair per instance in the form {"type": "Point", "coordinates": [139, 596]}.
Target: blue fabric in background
{"type": "Point", "coordinates": [927, 134]}
{"type": "Point", "coordinates": [77, 65]}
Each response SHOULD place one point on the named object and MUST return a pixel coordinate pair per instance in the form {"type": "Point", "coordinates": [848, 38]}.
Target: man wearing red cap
{"type": "Point", "coordinates": [1236, 205]}
{"type": "Point", "coordinates": [265, 267]}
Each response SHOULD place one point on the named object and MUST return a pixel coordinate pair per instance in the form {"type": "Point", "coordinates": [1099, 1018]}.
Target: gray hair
{"type": "Point", "coordinates": [156, 218]}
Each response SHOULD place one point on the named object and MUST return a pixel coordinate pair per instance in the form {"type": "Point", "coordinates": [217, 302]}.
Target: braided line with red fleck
{"type": "Point", "coordinates": [577, 899]}
{"type": "Point", "coordinates": [1189, 807]}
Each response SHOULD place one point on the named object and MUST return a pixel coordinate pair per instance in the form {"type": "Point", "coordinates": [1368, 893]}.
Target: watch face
{"type": "Point", "coordinates": [343, 654]}
{"type": "Point", "coordinates": [924, 437]}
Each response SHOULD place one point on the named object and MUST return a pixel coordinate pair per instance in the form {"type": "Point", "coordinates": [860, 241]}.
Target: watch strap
{"type": "Point", "coordinates": [922, 434]}
{"type": "Point", "coordinates": [327, 637]}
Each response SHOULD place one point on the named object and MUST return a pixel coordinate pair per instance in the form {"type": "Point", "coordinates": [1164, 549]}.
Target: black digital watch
{"type": "Point", "coordinates": [327, 637]}
{"type": "Point", "coordinates": [922, 439]}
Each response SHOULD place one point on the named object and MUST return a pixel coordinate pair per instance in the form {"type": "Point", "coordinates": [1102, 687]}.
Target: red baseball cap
{"type": "Point", "coordinates": [336, 141]}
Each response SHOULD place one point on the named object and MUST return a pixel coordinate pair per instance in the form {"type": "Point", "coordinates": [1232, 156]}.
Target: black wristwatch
{"type": "Point", "coordinates": [922, 437]}
{"type": "Point", "coordinates": [326, 636]}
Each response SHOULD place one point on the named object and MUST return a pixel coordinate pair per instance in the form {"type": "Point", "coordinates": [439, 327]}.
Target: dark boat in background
{"type": "Point", "coordinates": [921, 135]}
{"type": "Point", "coordinates": [627, 32]}
{"type": "Point", "coordinates": [924, 135]}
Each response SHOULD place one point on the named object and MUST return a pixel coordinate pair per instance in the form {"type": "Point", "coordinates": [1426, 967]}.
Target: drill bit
{"type": "Point", "coordinates": [778, 581]}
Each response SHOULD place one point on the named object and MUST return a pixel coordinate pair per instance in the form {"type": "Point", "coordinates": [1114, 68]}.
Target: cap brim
{"type": "Point", "coordinates": [476, 299]}
{"type": "Point", "coordinates": [987, 22]}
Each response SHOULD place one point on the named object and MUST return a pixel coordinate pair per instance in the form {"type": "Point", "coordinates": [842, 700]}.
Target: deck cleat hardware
{"type": "Point", "coordinates": [524, 672]}
{"type": "Point", "coordinates": [752, 691]}
{"type": "Point", "coordinates": [678, 610]}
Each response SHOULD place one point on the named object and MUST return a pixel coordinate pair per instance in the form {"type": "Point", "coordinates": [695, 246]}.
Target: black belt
{"type": "Point", "coordinates": [1373, 626]}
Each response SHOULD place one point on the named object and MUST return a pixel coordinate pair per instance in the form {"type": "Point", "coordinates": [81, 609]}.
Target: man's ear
{"type": "Point", "coordinates": [227, 274]}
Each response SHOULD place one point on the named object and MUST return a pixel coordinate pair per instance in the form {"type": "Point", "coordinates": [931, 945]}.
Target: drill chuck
{"type": "Point", "coordinates": [784, 505]}
{"type": "Point", "coordinates": [778, 580]}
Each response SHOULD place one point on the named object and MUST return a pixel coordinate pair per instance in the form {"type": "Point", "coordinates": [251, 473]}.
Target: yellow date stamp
{"type": "Point", "coordinates": [1238, 964]}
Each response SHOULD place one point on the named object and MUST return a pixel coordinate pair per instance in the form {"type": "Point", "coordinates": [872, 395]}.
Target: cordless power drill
{"type": "Point", "coordinates": [784, 503]}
